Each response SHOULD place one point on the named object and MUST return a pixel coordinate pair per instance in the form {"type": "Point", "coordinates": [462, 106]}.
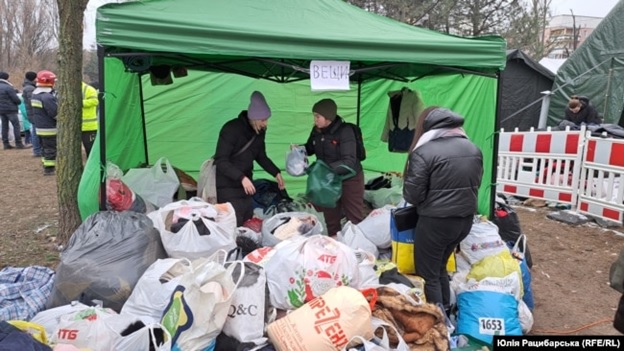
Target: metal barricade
{"type": "Point", "coordinates": [600, 188]}
{"type": "Point", "coordinates": [540, 164]}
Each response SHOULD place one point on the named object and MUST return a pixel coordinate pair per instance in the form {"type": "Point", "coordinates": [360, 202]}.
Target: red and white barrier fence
{"type": "Point", "coordinates": [600, 188]}
{"type": "Point", "coordinates": [540, 164]}
{"type": "Point", "coordinates": [569, 167]}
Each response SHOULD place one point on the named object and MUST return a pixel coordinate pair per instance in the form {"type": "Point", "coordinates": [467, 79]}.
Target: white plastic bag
{"type": "Point", "coordinates": [154, 184]}
{"type": "Point", "coordinates": [199, 305]}
{"type": "Point", "coordinates": [187, 242]}
{"type": "Point", "coordinates": [151, 293]}
{"type": "Point", "coordinates": [483, 240]}
{"type": "Point", "coordinates": [366, 269]}
{"type": "Point", "coordinates": [297, 161]}
{"type": "Point", "coordinates": [287, 225]}
{"type": "Point", "coordinates": [51, 318]}
{"type": "Point", "coordinates": [90, 328]}
{"type": "Point", "coordinates": [352, 236]}
{"type": "Point", "coordinates": [376, 227]}
{"type": "Point", "coordinates": [207, 182]}
{"type": "Point", "coordinates": [144, 340]}
{"type": "Point", "coordinates": [303, 269]}
{"type": "Point", "coordinates": [248, 307]}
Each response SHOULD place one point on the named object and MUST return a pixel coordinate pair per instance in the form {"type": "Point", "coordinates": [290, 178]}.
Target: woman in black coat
{"type": "Point", "coordinates": [241, 142]}
{"type": "Point", "coordinates": [443, 175]}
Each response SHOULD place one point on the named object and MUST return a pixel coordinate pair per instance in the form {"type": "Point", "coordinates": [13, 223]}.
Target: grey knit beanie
{"type": "Point", "coordinates": [258, 107]}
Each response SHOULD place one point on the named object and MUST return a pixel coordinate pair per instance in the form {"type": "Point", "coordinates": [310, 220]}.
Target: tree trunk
{"type": "Point", "coordinates": [69, 153]}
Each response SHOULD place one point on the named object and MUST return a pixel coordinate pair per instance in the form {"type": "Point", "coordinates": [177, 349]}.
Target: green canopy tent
{"type": "Point", "coordinates": [595, 70]}
{"type": "Point", "coordinates": [226, 46]}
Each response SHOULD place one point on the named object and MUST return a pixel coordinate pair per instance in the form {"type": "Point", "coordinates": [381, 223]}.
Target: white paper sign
{"type": "Point", "coordinates": [329, 75]}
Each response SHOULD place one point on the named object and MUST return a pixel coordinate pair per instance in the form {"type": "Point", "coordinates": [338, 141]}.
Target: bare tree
{"type": "Point", "coordinates": [27, 39]}
{"type": "Point", "coordinates": [527, 30]}
{"type": "Point", "coordinates": [69, 163]}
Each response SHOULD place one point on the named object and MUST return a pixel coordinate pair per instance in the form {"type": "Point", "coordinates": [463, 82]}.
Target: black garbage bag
{"type": "Point", "coordinates": [104, 259]}
{"type": "Point", "coordinates": [506, 218]}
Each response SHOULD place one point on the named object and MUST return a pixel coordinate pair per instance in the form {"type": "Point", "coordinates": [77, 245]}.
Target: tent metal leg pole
{"type": "Point", "coordinates": [359, 100]}
{"type": "Point", "coordinates": [102, 127]}
{"type": "Point", "coordinates": [143, 119]}
{"type": "Point", "coordinates": [497, 123]}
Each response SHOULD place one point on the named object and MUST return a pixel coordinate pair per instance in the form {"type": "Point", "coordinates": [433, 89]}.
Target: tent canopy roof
{"type": "Point", "coordinates": [278, 38]}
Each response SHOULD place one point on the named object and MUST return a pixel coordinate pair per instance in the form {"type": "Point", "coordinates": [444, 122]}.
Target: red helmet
{"type": "Point", "coordinates": [46, 79]}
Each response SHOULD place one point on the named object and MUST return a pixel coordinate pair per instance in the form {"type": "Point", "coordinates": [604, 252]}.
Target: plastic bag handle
{"type": "Point", "coordinates": [516, 247]}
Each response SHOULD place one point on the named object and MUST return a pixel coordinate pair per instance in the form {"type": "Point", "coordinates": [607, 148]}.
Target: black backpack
{"type": "Point", "coordinates": [359, 141]}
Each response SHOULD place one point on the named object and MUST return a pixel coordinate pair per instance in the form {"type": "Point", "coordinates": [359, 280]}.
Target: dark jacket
{"type": "Point", "coordinates": [335, 145]}
{"type": "Point", "coordinates": [9, 101]}
{"type": "Point", "coordinates": [27, 90]}
{"type": "Point", "coordinates": [444, 174]}
{"type": "Point", "coordinates": [587, 114]}
{"type": "Point", "coordinates": [232, 169]}
{"type": "Point", "coordinates": [45, 109]}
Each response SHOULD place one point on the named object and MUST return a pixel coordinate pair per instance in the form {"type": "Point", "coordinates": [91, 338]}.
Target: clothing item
{"type": "Point", "coordinates": [12, 118]}
{"type": "Point", "coordinates": [232, 168]}
{"type": "Point", "coordinates": [87, 141]}
{"type": "Point", "coordinates": [9, 100]}
{"type": "Point", "coordinates": [27, 89]}
{"type": "Point", "coordinates": [48, 151]}
{"type": "Point", "coordinates": [349, 205]}
{"type": "Point", "coordinates": [434, 241]}
{"type": "Point", "coordinates": [335, 146]}
{"type": "Point", "coordinates": [4, 75]}
{"type": "Point", "coordinates": [405, 106]}
{"type": "Point", "coordinates": [326, 108]}
{"type": "Point", "coordinates": [258, 107]}
{"type": "Point", "coordinates": [89, 108]}
{"type": "Point", "coordinates": [45, 109]}
{"type": "Point", "coordinates": [586, 115]}
{"type": "Point", "coordinates": [36, 141]}
{"type": "Point", "coordinates": [444, 174]}
{"type": "Point", "coordinates": [243, 205]}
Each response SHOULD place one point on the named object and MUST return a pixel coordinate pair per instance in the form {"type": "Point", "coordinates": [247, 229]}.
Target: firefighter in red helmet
{"type": "Point", "coordinates": [45, 108]}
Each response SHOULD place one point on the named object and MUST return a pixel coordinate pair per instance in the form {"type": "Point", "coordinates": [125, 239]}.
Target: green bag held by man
{"type": "Point", "coordinates": [324, 186]}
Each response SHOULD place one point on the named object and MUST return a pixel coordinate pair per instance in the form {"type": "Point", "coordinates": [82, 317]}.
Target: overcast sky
{"type": "Point", "coordinates": [596, 8]}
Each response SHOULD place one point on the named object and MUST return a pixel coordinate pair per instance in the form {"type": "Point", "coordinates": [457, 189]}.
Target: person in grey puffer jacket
{"type": "Point", "coordinates": [9, 104]}
{"type": "Point", "coordinates": [443, 175]}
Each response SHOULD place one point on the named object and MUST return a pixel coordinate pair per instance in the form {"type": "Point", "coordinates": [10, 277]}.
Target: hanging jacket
{"type": "Point", "coordinates": [45, 109]}
{"type": "Point", "coordinates": [335, 146]}
{"type": "Point", "coordinates": [409, 106]}
{"type": "Point", "coordinates": [232, 169]}
{"type": "Point", "coordinates": [89, 108]}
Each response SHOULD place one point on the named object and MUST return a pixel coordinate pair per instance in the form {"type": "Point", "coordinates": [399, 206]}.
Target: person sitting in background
{"type": "Point", "coordinates": [578, 112]}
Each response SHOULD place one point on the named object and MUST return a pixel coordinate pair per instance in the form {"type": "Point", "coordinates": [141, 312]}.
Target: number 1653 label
{"type": "Point", "coordinates": [492, 326]}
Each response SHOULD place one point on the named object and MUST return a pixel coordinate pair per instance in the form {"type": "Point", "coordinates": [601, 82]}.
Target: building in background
{"type": "Point", "coordinates": [565, 33]}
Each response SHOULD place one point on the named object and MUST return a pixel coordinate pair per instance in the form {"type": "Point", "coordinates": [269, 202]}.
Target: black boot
{"type": "Point", "coordinates": [8, 147]}
{"type": "Point", "coordinates": [48, 171]}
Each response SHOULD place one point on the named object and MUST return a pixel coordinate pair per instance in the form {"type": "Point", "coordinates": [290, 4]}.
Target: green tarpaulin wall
{"type": "Point", "coordinates": [595, 70]}
{"type": "Point", "coordinates": [268, 39]}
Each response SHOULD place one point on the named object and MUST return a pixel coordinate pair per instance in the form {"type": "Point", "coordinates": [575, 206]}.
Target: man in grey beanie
{"type": "Point", "coordinates": [9, 104]}
{"type": "Point", "coordinates": [241, 142]}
